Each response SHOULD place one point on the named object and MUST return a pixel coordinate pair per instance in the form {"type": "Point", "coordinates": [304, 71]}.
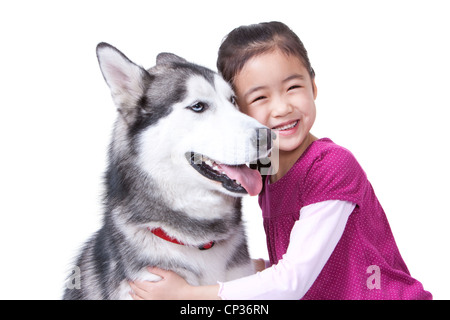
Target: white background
{"type": "Point", "coordinates": [383, 77]}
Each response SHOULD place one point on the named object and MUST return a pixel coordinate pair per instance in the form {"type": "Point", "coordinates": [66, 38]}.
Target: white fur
{"type": "Point", "coordinates": [222, 133]}
{"type": "Point", "coordinates": [210, 264]}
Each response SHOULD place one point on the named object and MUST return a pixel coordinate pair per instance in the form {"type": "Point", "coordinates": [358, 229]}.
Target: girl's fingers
{"type": "Point", "coordinates": [135, 296]}
{"type": "Point", "coordinates": [137, 291]}
{"type": "Point", "coordinates": [159, 272]}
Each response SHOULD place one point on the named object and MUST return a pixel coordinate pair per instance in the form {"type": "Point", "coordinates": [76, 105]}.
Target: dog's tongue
{"type": "Point", "coordinates": [249, 179]}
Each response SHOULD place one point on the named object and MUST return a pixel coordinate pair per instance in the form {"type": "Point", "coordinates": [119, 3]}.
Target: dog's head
{"type": "Point", "coordinates": [181, 122]}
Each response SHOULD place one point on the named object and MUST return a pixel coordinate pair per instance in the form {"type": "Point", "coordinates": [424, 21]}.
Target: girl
{"type": "Point", "coordinates": [327, 234]}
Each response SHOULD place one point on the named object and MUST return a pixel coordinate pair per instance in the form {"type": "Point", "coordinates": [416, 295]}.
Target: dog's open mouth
{"type": "Point", "coordinates": [235, 178]}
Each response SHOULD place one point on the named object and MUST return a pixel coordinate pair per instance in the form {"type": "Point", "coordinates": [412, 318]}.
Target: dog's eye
{"type": "Point", "coordinates": [233, 100]}
{"type": "Point", "coordinates": [199, 107]}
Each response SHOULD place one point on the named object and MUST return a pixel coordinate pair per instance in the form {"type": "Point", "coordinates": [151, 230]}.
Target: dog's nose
{"type": "Point", "coordinates": [264, 137]}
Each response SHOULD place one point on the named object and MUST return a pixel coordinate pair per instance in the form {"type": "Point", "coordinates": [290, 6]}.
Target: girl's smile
{"type": "Point", "coordinates": [287, 128]}
{"type": "Point", "coordinates": [277, 90]}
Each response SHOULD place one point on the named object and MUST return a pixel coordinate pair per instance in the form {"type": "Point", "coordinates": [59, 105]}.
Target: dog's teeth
{"type": "Point", "coordinates": [213, 165]}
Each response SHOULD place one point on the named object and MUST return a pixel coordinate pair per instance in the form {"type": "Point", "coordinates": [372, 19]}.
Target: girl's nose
{"type": "Point", "coordinates": [280, 107]}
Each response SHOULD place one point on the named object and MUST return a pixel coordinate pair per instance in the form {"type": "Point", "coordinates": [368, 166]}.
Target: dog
{"type": "Point", "coordinates": [177, 169]}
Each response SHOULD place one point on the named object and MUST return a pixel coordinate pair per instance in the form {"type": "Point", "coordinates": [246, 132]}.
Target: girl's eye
{"type": "Point", "coordinates": [294, 87]}
{"type": "Point", "coordinates": [198, 107]}
{"type": "Point", "coordinates": [259, 98]}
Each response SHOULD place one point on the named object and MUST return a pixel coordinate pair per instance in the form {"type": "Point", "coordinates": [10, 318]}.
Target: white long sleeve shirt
{"type": "Point", "coordinates": [312, 241]}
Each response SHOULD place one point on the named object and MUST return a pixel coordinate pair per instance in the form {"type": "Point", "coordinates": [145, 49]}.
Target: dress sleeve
{"type": "Point", "coordinates": [313, 239]}
{"type": "Point", "coordinates": [334, 175]}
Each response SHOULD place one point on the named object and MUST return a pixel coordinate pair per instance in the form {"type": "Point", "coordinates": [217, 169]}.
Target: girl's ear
{"type": "Point", "coordinates": [314, 88]}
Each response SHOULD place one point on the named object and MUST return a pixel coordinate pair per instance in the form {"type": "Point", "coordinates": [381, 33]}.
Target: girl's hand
{"type": "Point", "coordinates": [259, 264]}
{"type": "Point", "coordinates": [170, 287]}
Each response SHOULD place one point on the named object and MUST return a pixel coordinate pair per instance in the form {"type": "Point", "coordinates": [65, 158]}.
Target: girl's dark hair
{"type": "Point", "coordinates": [246, 42]}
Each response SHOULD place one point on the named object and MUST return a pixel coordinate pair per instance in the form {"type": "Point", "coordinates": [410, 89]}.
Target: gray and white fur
{"type": "Point", "coordinates": [169, 117]}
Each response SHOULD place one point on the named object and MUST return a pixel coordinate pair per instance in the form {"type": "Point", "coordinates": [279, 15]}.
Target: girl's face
{"type": "Point", "coordinates": [276, 89]}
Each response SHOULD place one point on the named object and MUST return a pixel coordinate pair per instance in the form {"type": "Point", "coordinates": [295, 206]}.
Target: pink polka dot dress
{"type": "Point", "coordinates": [366, 263]}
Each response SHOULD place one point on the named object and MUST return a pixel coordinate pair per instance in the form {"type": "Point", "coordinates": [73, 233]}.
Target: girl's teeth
{"type": "Point", "coordinates": [289, 126]}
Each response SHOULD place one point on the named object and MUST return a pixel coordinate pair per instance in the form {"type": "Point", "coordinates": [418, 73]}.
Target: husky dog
{"type": "Point", "coordinates": [176, 172]}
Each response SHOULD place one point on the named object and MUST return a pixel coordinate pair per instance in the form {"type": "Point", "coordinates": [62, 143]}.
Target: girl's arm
{"type": "Point", "coordinates": [312, 241]}
{"type": "Point", "coordinates": [174, 287]}
{"type": "Point", "coordinates": [314, 235]}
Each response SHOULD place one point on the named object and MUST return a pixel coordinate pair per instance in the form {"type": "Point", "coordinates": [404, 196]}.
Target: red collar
{"type": "Point", "coordinates": [163, 235]}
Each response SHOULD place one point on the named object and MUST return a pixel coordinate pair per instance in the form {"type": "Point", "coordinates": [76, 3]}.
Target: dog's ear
{"type": "Point", "coordinates": [168, 58]}
{"type": "Point", "coordinates": [127, 81]}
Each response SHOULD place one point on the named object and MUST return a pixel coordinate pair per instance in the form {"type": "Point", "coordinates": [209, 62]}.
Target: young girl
{"type": "Point", "coordinates": [327, 234]}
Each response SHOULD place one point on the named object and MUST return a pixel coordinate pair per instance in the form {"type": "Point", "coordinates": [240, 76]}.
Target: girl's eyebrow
{"type": "Point", "coordinates": [294, 76]}
{"type": "Point", "coordinates": [249, 92]}
{"type": "Point", "coordinates": [291, 77]}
